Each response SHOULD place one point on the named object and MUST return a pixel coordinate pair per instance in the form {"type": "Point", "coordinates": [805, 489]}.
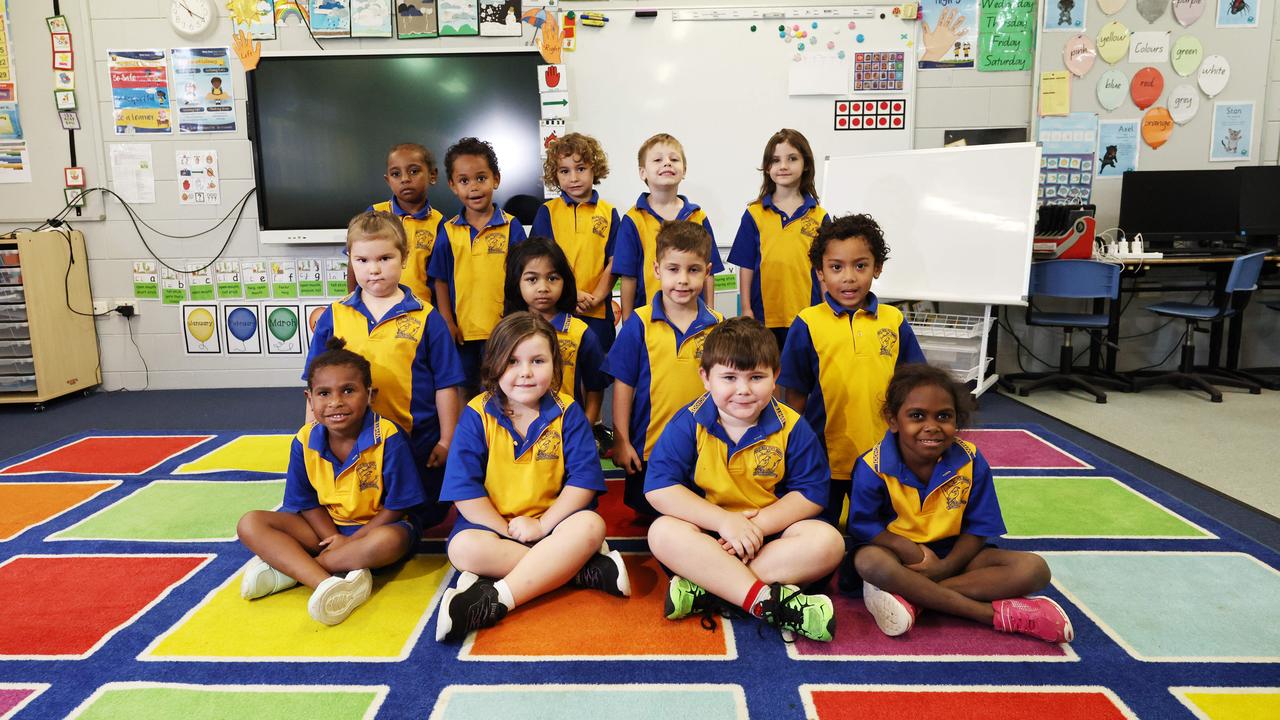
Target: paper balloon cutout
{"type": "Point", "coordinates": [1078, 54]}
{"type": "Point", "coordinates": [1111, 7]}
{"type": "Point", "coordinates": [1186, 55]}
{"type": "Point", "coordinates": [1112, 87]}
{"type": "Point", "coordinates": [314, 317]}
{"type": "Point", "coordinates": [1157, 126]}
{"type": "Point", "coordinates": [242, 323]}
{"type": "Point", "coordinates": [1113, 42]}
{"type": "Point", "coordinates": [1215, 71]}
{"type": "Point", "coordinates": [282, 323]}
{"type": "Point", "coordinates": [1151, 10]}
{"type": "Point", "coordinates": [1184, 103]}
{"type": "Point", "coordinates": [200, 324]}
{"type": "Point", "coordinates": [1187, 12]}
{"type": "Point", "coordinates": [1146, 87]}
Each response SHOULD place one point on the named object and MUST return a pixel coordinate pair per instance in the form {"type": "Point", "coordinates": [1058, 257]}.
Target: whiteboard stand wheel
{"type": "Point", "coordinates": [38, 407]}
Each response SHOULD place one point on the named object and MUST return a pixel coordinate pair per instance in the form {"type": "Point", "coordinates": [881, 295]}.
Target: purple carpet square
{"type": "Point", "coordinates": [11, 698]}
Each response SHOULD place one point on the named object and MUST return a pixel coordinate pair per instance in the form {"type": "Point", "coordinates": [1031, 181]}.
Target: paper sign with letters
{"type": "Point", "coordinates": [1055, 93]}
{"type": "Point", "coordinates": [1215, 73]}
{"type": "Point", "coordinates": [1184, 103]}
{"type": "Point", "coordinates": [1113, 42]}
{"type": "Point", "coordinates": [1187, 53]}
{"type": "Point", "coordinates": [1146, 48]}
{"type": "Point", "coordinates": [1157, 126]}
{"type": "Point", "coordinates": [1146, 87]}
{"type": "Point", "coordinates": [1112, 87]}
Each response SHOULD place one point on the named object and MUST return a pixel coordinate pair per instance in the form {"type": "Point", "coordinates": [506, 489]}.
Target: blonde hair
{"type": "Point", "coordinates": [377, 225]}
{"type": "Point", "coordinates": [661, 139]}
{"type": "Point", "coordinates": [585, 147]}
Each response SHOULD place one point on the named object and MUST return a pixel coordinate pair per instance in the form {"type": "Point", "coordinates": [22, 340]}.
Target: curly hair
{"type": "Point", "coordinates": [850, 226]}
{"type": "Point", "coordinates": [470, 146]}
{"type": "Point", "coordinates": [336, 354]}
{"type": "Point", "coordinates": [585, 147]}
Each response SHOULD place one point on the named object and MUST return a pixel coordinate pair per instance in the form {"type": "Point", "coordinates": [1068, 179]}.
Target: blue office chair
{"type": "Point", "coordinates": [1242, 278]}
{"type": "Point", "coordinates": [1079, 279]}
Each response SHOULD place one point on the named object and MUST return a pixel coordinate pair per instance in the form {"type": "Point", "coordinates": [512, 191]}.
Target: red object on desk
{"type": "Point", "coordinates": [1075, 243]}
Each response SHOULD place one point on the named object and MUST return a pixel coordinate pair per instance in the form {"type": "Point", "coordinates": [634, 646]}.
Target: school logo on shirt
{"type": "Point", "coordinates": [956, 491]}
{"type": "Point", "coordinates": [408, 328]}
{"type": "Point", "coordinates": [568, 351]}
{"type": "Point", "coordinates": [768, 457]}
{"type": "Point", "coordinates": [888, 341]}
{"type": "Point", "coordinates": [698, 344]}
{"type": "Point", "coordinates": [809, 227]}
{"type": "Point", "coordinates": [548, 446]}
{"type": "Point", "coordinates": [495, 242]}
{"type": "Point", "coordinates": [365, 475]}
{"type": "Point", "coordinates": [422, 239]}
{"type": "Point", "coordinates": [600, 226]}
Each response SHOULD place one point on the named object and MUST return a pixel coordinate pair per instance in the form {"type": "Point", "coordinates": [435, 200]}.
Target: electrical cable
{"type": "Point", "coordinates": [307, 24]}
{"type": "Point", "coordinates": [66, 277]}
{"type": "Point", "coordinates": [1165, 359]}
{"type": "Point", "coordinates": [146, 370]}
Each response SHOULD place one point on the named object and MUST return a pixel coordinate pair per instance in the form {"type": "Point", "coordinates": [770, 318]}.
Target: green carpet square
{"type": "Point", "coordinates": [143, 701]}
{"type": "Point", "coordinates": [1096, 507]}
{"type": "Point", "coordinates": [172, 510]}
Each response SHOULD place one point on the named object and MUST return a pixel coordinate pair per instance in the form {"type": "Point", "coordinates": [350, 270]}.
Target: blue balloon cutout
{"type": "Point", "coordinates": [242, 323]}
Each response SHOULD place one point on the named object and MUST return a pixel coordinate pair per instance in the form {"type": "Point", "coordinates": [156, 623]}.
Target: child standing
{"type": "Point", "coordinates": [539, 280]}
{"type": "Point", "coordinates": [415, 364]}
{"type": "Point", "coordinates": [772, 245]}
{"type": "Point", "coordinates": [524, 474]}
{"type": "Point", "coordinates": [655, 358]}
{"type": "Point", "coordinates": [583, 225]}
{"type": "Point", "coordinates": [840, 353]}
{"type": "Point", "coordinates": [662, 168]}
{"type": "Point", "coordinates": [349, 497]}
{"type": "Point", "coordinates": [740, 479]}
{"type": "Point", "coordinates": [468, 264]}
{"type": "Point", "coordinates": [922, 509]}
{"type": "Point", "coordinates": [411, 168]}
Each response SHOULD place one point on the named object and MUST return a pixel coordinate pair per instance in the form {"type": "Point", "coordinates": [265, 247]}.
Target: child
{"type": "Point", "coordinates": [840, 353]}
{"type": "Point", "coordinates": [524, 474]}
{"type": "Point", "coordinates": [923, 506]}
{"type": "Point", "coordinates": [583, 225]}
{"type": "Point", "coordinates": [469, 263]}
{"type": "Point", "coordinates": [411, 168]}
{"type": "Point", "coordinates": [539, 280]}
{"type": "Point", "coordinates": [349, 496]}
{"type": "Point", "coordinates": [655, 358]}
{"type": "Point", "coordinates": [662, 167]}
{"type": "Point", "coordinates": [772, 245]}
{"type": "Point", "coordinates": [740, 480]}
{"type": "Point", "coordinates": [415, 363]}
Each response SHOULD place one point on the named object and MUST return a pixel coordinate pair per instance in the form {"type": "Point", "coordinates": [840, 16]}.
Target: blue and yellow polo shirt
{"type": "Point", "coordinates": [474, 265]}
{"type": "Point", "coordinates": [960, 496]}
{"type": "Point", "coordinates": [586, 232]}
{"type": "Point", "coordinates": [776, 246]}
{"type": "Point", "coordinates": [777, 455]}
{"type": "Point", "coordinates": [649, 347]}
{"type": "Point", "coordinates": [420, 228]}
{"type": "Point", "coordinates": [843, 360]}
{"type": "Point", "coordinates": [581, 355]}
{"type": "Point", "coordinates": [411, 354]}
{"type": "Point", "coordinates": [379, 473]}
{"type": "Point", "coordinates": [521, 476]}
{"type": "Point", "coordinates": [637, 246]}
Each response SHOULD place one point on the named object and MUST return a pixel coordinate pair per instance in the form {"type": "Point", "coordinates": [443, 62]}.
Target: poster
{"type": "Point", "coordinates": [311, 314]}
{"type": "Point", "coordinates": [146, 283]}
{"type": "Point", "coordinates": [310, 277]}
{"type": "Point", "coordinates": [1067, 158]}
{"type": "Point", "coordinates": [948, 33]}
{"type": "Point", "coordinates": [1238, 13]}
{"type": "Point", "coordinates": [329, 19]}
{"type": "Point", "coordinates": [198, 181]}
{"type": "Point", "coordinates": [416, 19]}
{"type": "Point", "coordinates": [200, 328]}
{"type": "Point", "coordinates": [500, 18]}
{"type": "Point", "coordinates": [459, 17]}
{"type": "Point", "coordinates": [139, 91]}
{"type": "Point", "coordinates": [226, 275]}
{"type": "Point", "coordinates": [284, 279]}
{"type": "Point", "coordinates": [1117, 148]}
{"type": "Point", "coordinates": [133, 176]}
{"type": "Point", "coordinates": [200, 280]}
{"type": "Point", "coordinates": [372, 18]}
{"type": "Point", "coordinates": [256, 278]}
{"type": "Point", "coordinates": [244, 329]}
{"type": "Point", "coordinates": [202, 79]}
{"type": "Point", "coordinates": [335, 277]}
{"type": "Point", "coordinates": [1064, 15]}
{"type": "Point", "coordinates": [173, 286]}
{"type": "Point", "coordinates": [1232, 131]}
{"type": "Point", "coordinates": [1006, 35]}
{"type": "Point", "coordinates": [15, 163]}
{"type": "Point", "coordinates": [284, 329]}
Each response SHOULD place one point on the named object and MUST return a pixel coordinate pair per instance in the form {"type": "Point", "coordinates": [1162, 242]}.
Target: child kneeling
{"type": "Point", "coordinates": [350, 497]}
{"type": "Point", "coordinates": [740, 479]}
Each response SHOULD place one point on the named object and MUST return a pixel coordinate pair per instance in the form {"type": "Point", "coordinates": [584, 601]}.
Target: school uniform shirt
{"type": "Point", "coordinates": [420, 228]}
{"type": "Point", "coordinates": [661, 363]}
{"type": "Point", "coordinates": [843, 360]}
{"type": "Point", "coordinates": [474, 265]}
{"type": "Point", "coordinates": [521, 475]}
{"type": "Point", "coordinates": [777, 455]}
{"type": "Point", "coordinates": [586, 232]}
{"type": "Point", "coordinates": [379, 473]}
{"type": "Point", "coordinates": [960, 496]}
{"type": "Point", "coordinates": [410, 353]}
{"type": "Point", "coordinates": [776, 246]}
{"type": "Point", "coordinates": [581, 356]}
{"type": "Point", "coordinates": [637, 245]}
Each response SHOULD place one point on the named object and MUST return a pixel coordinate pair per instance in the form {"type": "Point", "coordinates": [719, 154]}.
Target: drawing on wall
{"type": "Point", "coordinates": [1064, 15]}
{"type": "Point", "coordinates": [500, 18]}
{"type": "Point", "coordinates": [1238, 13]}
{"type": "Point", "coordinates": [1232, 131]}
{"type": "Point", "coordinates": [257, 17]}
{"type": "Point", "coordinates": [371, 18]}
{"type": "Point", "coordinates": [416, 19]}
{"type": "Point", "coordinates": [459, 17]}
{"type": "Point", "coordinates": [330, 18]}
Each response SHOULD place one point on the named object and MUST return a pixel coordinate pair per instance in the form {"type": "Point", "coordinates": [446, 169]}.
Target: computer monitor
{"type": "Point", "coordinates": [1179, 208]}
{"type": "Point", "coordinates": [1259, 203]}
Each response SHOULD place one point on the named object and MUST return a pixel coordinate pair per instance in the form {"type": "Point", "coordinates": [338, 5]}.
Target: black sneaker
{"type": "Point", "coordinates": [812, 616]}
{"type": "Point", "coordinates": [604, 439]}
{"type": "Point", "coordinates": [472, 605]}
{"type": "Point", "coordinates": [604, 571]}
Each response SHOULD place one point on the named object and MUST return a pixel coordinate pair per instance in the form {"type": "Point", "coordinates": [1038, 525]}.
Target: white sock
{"type": "Point", "coordinates": [504, 594]}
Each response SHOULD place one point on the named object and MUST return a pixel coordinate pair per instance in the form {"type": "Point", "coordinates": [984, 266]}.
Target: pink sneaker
{"type": "Point", "coordinates": [893, 614]}
{"type": "Point", "coordinates": [1037, 616]}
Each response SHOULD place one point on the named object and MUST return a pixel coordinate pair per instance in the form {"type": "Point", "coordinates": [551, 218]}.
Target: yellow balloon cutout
{"type": "Point", "coordinates": [1157, 126]}
{"type": "Point", "coordinates": [200, 324]}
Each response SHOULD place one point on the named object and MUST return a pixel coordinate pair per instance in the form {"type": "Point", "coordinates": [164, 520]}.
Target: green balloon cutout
{"type": "Point", "coordinates": [282, 323]}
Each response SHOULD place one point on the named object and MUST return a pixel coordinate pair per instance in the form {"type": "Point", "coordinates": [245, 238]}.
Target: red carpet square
{"type": "Point", "coordinates": [836, 702]}
{"type": "Point", "coordinates": [1022, 449]}
{"type": "Point", "coordinates": [122, 455]}
{"type": "Point", "coordinates": [619, 520]}
{"type": "Point", "coordinates": [67, 606]}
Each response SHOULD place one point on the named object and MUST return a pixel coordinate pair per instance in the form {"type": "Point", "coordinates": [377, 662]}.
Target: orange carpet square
{"type": "Point", "coordinates": [29, 504]}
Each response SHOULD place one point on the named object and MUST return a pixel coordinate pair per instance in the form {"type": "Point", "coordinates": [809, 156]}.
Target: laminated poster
{"type": "Point", "coordinates": [1238, 13]}
{"type": "Point", "coordinates": [198, 180]}
{"type": "Point", "coordinates": [244, 329]}
{"type": "Point", "coordinates": [1117, 148]}
{"type": "Point", "coordinates": [372, 18]}
{"type": "Point", "coordinates": [146, 282]}
{"type": "Point", "coordinates": [257, 279]}
{"type": "Point", "coordinates": [1065, 15]}
{"type": "Point", "coordinates": [949, 33]}
{"type": "Point", "coordinates": [173, 286]}
{"type": "Point", "coordinates": [416, 19]}
{"type": "Point", "coordinates": [284, 329]}
{"type": "Point", "coordinates": [329, 19]}
{"type": "Point", "coordinates": [335, 277]}
{"type": "Point", "coordinates": [200, 328]}
{"type": "Point", "coordinates": [200, 281]}
{"type": "Point", "coordinates": [1067, 158]}
{"type": "Point", "coordinates": [226, 274]}
{"type": "Point", "coordinates": [202, 80]}
{"type": "Point", "coordinates": [310, 277]}
{"type": "Point", "coordinates": [311, 315]}
{"type": "Point", "coordinates": [1232, 131]}
{"type": "Point", "coordinates": [1006, 35]}
{"type": "Point", "coordinates": [139, 91]}
{"type": "Point", "coordinates": [500, 18]}
{"type": "Point", "coordinates": [284, 279]}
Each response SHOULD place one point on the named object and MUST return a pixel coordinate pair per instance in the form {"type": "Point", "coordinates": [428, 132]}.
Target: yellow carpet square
{"type": "Point", "coordinates": [226, 627]}
{"type": "Point", "coordinates": [1232, 704]}
{"type": "Point", "coordinates": [247, 453]}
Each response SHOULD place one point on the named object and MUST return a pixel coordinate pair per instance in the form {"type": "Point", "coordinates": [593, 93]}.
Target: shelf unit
{"type": "Point", "coordinates": [46, 349]}
{"type": "Point", "coordinates": [958, 343]}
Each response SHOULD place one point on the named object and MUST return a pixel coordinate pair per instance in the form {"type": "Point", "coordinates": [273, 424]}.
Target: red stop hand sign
{"type": "Point", "coordinates": [552, 76]}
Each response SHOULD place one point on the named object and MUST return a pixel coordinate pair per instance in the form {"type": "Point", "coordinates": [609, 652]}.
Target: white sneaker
{"type": "Point", "coordinates": [892, 613]}
{"type": "Point", "coordinates": [335, 598]}
{"type": "Point", "coordinates": [261, 580]}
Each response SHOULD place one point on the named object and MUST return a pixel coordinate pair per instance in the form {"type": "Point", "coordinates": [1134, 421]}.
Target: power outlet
{"type": "Point", "coordinates": [100, 307]}
{"type": "Point", "coordinates": [127, 302]}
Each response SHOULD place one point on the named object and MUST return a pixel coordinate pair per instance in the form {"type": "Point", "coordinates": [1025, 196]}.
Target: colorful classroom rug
{"type": "Point", "coordinates": [119, 578]}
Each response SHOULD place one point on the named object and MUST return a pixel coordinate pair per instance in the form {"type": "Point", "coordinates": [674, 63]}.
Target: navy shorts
{"type": "Point", "coordinates": [464, 524]}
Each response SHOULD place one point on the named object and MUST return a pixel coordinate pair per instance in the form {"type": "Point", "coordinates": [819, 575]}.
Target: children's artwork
{"type": "Point", "coordinates": [1064, 15]}
{"type": "Point", "coordinates": [139, 91]}
{"type": "Point", "coordinates": [10, 124]}
{"type": "Point", "coordinates": [1146, 48]}
{"type": "Point", "coordinates": [57, 24]}
{"type": "Point", "coordinates": [198, 180]}
{"type": "Point", "coordinates": [310, 277]}
{"type": "Point", "coordinates": [1184, 103]}
{"type": "Point", "coordinates": [1146, 86]}
{"type": "Point", "coordinates": [244, 326]}
{"type": "Point", "coordinates": [1151, 10]}
{"type": "Point", "coordinates": [284, 329]}
{"type": "Point", "coordinates": [199, 281]}
{"type": "Point", "coordinates": [297, 9]}
{"type": "Point", "coordinates": [257, 279]}
{"type": "Point", "coordinates": [1238, 13]}
{"type": "Point", "coordinates": [335, 277]}
{"type": "Point", "coordinates": [1112, 88]}
{"type": "Point", "coordinates": [173, 286]}
{"type": "Point", "coordinates": [226, 277]}
{"type": "Point", "coordinates": [255, 17]}
{"type": "Point", "coordinates": [146, 282]}
{"type": "Point", "coordinates": [1187, 53]}
{"type": "Point", "coordinates": [372, 18]}
{"type": "Point", "coordinates": [330, 18]}
{"type": "Point", "coordinates": [202, 79]}
{"type": "Point", "coordinates": [1113, 42]}
{"type": "Point", "coordinates": [550, 129]}
{"type": "Point", "coordinates": [1215, 73]}
{"type": "Point", "coordinates": [200, 328]}
{"type": "Point", "coordinates": [1067, 158]}
{"type": "Point", "coordinates": [948, 33]}
{"type": "Point", "coordinates": [879, 71]}
{"type": "Point", "coordinates": [1078, 54]}
{"type": "Point", "coordinates": [64, 99]}
{"type": "Point", "coordinates": [1157, 126]}
{"type": "Point", "coordinates": [459, 17]}
{"type": "Point", "coordinates": [284, 279]}
{"type": "Point", "coordinates": [546, 32]}
{"type": "Point", "coordinates": [1111, 7]}
{"type": "Point", "coordinates": [64, 79]}
{"type": "Point", "coordinates": [1232, 131]}
{"type": "Point", "coordinates": [1187, 12]}
{"type": "Point", "coordinates": [500, 18]}
{"type": "Point", "coordinates": [416, 19]}
{"type": "Point", "coordinates": [133, 176]}
{"type": "Point", "coordinates": [1117, 148]}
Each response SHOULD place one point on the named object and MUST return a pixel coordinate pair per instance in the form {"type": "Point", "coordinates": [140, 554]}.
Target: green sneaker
{"type": "Point", "coordinates": [812, 616]}
{"type": "Point", "coordinates": [685, 598]}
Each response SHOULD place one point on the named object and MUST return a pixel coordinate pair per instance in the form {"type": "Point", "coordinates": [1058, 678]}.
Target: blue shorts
{"type": "Point", "coordinates": [464, 524]}
{"type": "Point", "coordinates": [409, 523]}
